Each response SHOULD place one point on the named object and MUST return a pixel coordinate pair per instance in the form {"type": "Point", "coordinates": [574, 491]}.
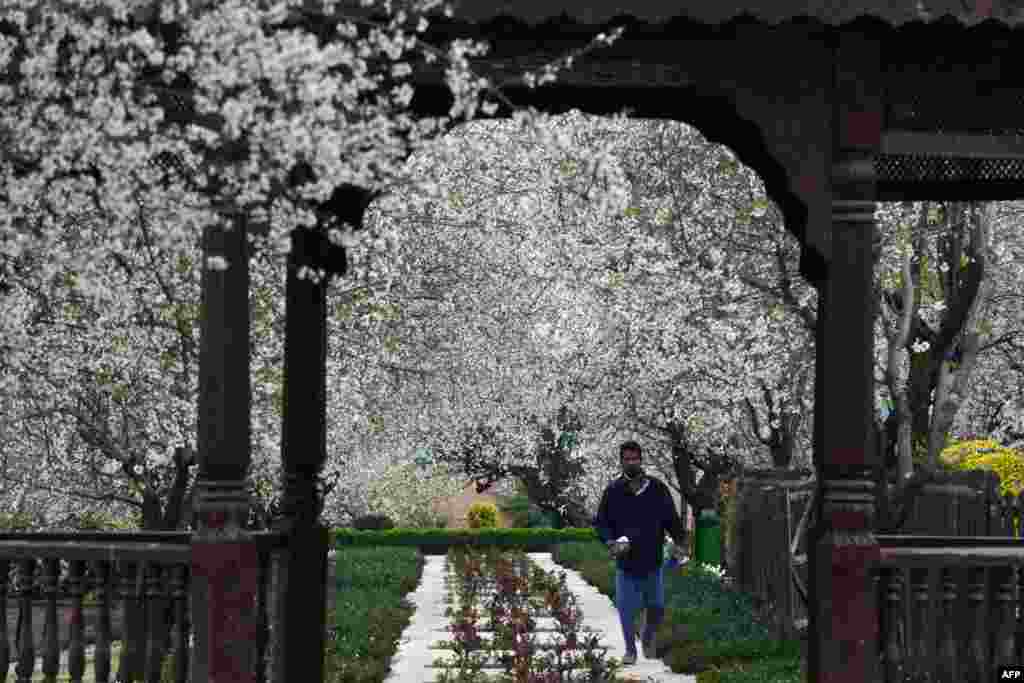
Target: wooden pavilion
{"type": "Point", "coordinates": [836, 105]}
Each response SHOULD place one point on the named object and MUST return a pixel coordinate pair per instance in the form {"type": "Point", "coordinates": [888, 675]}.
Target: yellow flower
{"type": "Point", "coordinates": [987, 454]}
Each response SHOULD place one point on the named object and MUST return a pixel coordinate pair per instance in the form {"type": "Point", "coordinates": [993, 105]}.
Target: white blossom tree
{"type": "Point", "coordinates": [131, 123]}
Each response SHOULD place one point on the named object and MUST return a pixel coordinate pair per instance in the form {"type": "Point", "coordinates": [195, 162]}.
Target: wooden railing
{"type": "Point", "coordinates": [148, 572]}
{"type": "Point", "coordinates": [949, 607]}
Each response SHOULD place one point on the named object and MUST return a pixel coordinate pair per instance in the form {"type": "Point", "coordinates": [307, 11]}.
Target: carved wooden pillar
{"type": "Point", "coordinates": [948, 659]}
{"type": "Point", "coordinates": [223, 589]}
{"type": "Point", "coordinates": [894, 627]}
{"type": "Point", "coordinates": [1005, 645]}
{"type": "Point", "coordinates": [5, 652]}
{"type": "Point", "coordinates": [299, 605]}
{"type": "Point", "coordinates": [844, 631]}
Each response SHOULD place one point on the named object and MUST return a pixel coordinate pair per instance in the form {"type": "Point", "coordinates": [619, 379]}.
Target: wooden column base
{"type": "Point", "coordinates": [847, 554]}
{"type": "Point", "coordinates": [224, 583]}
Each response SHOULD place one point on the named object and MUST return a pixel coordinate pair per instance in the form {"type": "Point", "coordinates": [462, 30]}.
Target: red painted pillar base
{"type": "Point", "coordinates": [226, 572]}
{"type": "Point", "coordinates": [849, 612]}
{"type": "Point", "coordinates": [846, 557]}
{"type": "Point", "coordinates": [225, 567]}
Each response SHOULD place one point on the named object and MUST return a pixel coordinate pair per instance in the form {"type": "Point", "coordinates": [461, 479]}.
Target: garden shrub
{"type": "Point", "coordinates": [518, 508]}
{"type": "Point", "coordinates": [522, 512]}
{"type": "Point", "coordinates": [372, 522]}
{"type": "Point", "coordinates": [988, 454]}
{"type": "Point", "coordinates": [773, 670]}
{"type": "Point", "coordinates": [689, 658]}
{"type": "Point", "coordinates": [697, 656]}
{"type": "Point", "coordinates": [540, 519]}
{"type": "Point", "coordinates": [482, 516]}
{"type": "Point", "coordinates": [411, 495]}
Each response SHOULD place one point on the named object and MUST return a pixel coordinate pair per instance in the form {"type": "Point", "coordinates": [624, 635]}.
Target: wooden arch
{"type": "Point", "coordinates": [686, 71]}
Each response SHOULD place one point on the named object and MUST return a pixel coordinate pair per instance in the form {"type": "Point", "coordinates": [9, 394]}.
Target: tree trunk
{"type": "Point", "coordinates": [967, 310]}
{"type": "Point", "coordinates": [904, 439]}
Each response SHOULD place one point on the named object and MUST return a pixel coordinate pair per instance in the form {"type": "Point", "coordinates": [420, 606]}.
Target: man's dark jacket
{"type": "Point", "coordinates": [644, 517]}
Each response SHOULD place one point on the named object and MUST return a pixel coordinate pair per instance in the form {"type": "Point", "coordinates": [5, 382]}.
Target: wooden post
{"type": "Point", "coordinates": [299, 600]}
{"type": "Point", "coordinates": [844, 617]}
{"type": "Point", "coordinates": [223, 591]}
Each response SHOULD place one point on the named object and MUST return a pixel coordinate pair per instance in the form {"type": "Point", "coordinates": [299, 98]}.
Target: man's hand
{"type": "Point", "coordinates": [679, 552]}
{"type": "Point", "coordinates": [617, 549]}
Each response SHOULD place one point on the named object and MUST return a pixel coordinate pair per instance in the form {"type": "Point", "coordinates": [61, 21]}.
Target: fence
{"type": "Point", "coordinates": [964, 504]}
{"type": "Point", "coordinates": [771, 523]}
{"type": "Point", "coordinates": [950, 609]}
{"type": "Point", "coordinates": [770, 553]}
{"type": "Point", "coordinates": [953, 504]}
{"type": "Point", "coordinates": [149, 573]}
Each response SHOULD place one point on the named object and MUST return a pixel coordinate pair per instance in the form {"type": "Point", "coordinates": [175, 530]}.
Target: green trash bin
{"type": "Point", "coordinates": [707, 543]}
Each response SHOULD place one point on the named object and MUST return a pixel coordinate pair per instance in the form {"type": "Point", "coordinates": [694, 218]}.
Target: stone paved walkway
{"type": "Point", "coordinates": [412, 663]}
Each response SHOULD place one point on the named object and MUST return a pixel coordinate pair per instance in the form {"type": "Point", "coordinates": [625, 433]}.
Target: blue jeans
{"type": "Point", "coordinates": [635, 592]}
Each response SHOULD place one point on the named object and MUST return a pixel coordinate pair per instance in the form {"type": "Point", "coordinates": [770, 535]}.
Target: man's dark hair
{"type": "Point", "coordinates": [630, 446]}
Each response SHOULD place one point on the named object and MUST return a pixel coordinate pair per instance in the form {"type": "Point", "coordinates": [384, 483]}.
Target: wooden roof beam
{"type": "Point", "coordinates": [962, 145]}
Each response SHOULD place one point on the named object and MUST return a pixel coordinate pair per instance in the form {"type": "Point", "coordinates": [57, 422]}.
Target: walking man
{"type": "Point", "coordinates": [640, 508]}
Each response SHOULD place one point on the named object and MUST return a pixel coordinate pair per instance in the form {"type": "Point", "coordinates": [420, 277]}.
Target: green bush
{"type": "Point", "coordinates": [688, 658]}
{"type": "Point", "coordinates": [539, 519]}
{"type": "Point", "coordinates": [482, 516]}
{"type": "Point", "coordinates": [524, 513]}
{"type": "Point", "coordinates": [751, 648]}
{"type": "Point", "coordinates": [518, 508]}
{"type": "Point", "coordinates": [718, 613]}
{"type": "Point", "coordinates": [373, 523]}
{"type": "Point", "coordinates": [700, 655]}
{"type": "Point", "coordinates": [987, 454]}
{"type": "Point", "coordinates": [773, 670]}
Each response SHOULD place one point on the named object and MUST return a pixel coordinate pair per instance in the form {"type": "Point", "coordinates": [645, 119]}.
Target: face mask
{"type": "Point", "coordinates": [633, 471]}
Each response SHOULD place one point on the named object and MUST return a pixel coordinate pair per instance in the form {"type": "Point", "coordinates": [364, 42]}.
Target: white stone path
{"type": "Point", "coordinates": [412, 663]}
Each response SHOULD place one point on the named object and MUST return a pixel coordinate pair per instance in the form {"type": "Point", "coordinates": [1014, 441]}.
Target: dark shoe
{"type": "Point", "coordinates": [648, 648]}
{"type": "Point", "coordinates": [630, 658]}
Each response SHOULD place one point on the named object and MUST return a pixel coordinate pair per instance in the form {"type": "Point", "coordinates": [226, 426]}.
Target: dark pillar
{"type": "Point", "coordinates": [223, 590]}
{"type": "Point", "coordinates": [844, 630]}
{"type": "Point", "coordinates": [303, 567]}
{"type": "Point", "coordinates": [299, 594]}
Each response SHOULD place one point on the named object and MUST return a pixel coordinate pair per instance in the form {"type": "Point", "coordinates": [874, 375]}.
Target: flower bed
{"type": "Point", "coordinates": [370, 611]}
{"type": "Point", "coordinates": [708, 629]}
{"type": "Point", "coordinates": [521, 596]}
